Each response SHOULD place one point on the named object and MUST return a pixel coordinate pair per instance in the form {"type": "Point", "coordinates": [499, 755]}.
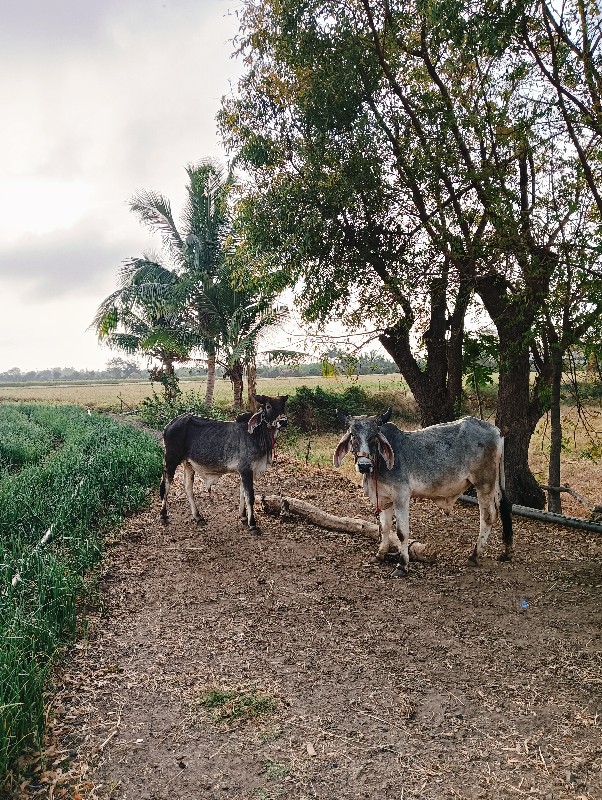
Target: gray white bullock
{"type": "Point", "coordinates": [211, 448]}
{"type": "Point", "coordinates": [438, 462]}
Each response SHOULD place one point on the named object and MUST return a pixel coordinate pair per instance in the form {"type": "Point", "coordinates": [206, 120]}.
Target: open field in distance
{"type": "Point", "coordinates": [110, 396]}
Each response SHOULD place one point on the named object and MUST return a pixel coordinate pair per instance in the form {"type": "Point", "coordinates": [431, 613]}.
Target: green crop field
{"type": "Point", "coordinates": [66, 477]}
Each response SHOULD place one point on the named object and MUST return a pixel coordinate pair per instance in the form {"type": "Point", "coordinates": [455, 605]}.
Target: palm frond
{"type": "Point", "coordinates": [154, 211]}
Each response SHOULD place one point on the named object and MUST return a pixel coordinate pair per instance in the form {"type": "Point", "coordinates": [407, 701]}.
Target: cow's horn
{"type": "Point", "coordinates": [343, 417]}
{"type": "Point", "coordinates": [385, 417]}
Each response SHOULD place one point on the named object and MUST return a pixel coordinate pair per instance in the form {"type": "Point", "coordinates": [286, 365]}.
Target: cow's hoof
{"type": "Point", "coordinates": [164, 520]}
{"type": "Point", "coordinates": [255, 531]}
{"type": "Point", "coordinates": [505, 557]}
{"type": "Point", "coordinates": [379, 558]}
{"type": "Point", "coordinates": [244, 521]}
{"type": "Point", "coordinates": [400, 572]}
{"type": "Point", "coordinates": [200, 521]}
{"type": "Point", "coordinates": [392, 557]}
{"type": "Point", "coordinates": [472, 560]}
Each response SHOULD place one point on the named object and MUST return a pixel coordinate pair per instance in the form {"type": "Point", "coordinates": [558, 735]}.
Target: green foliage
{"type": "Point", "coordinates": [157, 411]}
{"type": "Point", "coordinates": [315, 409]}
{"type": "Point", "coordinates": [479, 359]}
{"type": "Point", "coordinates": [88, 473]}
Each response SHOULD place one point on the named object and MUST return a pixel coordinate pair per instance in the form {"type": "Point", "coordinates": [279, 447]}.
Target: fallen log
{"type": "Point", "coordinates": [274, 504]}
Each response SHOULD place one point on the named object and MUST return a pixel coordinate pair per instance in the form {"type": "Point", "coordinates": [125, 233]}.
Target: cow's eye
{"type": "Point", "coordinates": [268, 407]}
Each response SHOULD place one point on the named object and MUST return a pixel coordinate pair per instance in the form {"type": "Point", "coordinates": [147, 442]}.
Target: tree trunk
{"type": "Point", "coordinates": [437, 389]}
{"type": "Point", "coordinates": [518, 410]}
{"type": "Point", "coordinates": [170, 380]}
{"type": "Point", "coordinates": [236, 376]}
{"type": "Point", "coordinates": [210, 380]}
{"type": "Point", "coordinates": [554, 498]}
{"type": "Point", "coordinates": [251, 384]}
{"type": "Point", "coordinates": [515, 421]}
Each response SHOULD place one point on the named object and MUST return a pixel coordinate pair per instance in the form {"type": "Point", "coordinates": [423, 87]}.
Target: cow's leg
{"type": "Point", "coordinates": [168, 475]}
{"type": "Point", "coordinates": [246, 482]}
{"type": "Point", "coordinates": [242, 506]}
{"type": "Point", "coordinates": [487, 516]}
{"type": "Point", "coordinates": [189, 489]}
{"type": "Point", "coordinates": [163, 491]}
{"type": "Point", "coordinates": [402, 518]}
{"type": "Point", "coordinates": [386, 529]}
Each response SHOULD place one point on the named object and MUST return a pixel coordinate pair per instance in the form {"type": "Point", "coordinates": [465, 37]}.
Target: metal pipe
{"type": "Point", "coordinates": [545, 516]}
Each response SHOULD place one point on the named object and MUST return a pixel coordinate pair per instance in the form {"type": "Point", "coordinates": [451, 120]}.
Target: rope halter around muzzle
{"type": "Point", "coordinates": [372, 469]}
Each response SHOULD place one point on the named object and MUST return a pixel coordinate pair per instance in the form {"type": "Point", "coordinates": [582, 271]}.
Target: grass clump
{"type": "Point", "coordinates": [276, 770]}
{"type": "Point", "coordinates": [237, 705]}
{"type": "Point", "coordinates": [22, 439]}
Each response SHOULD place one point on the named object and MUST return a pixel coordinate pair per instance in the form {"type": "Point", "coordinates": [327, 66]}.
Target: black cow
{"type": "Point", "coordinates": [211, 448]}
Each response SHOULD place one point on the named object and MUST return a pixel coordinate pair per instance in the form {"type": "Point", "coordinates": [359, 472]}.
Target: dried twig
{"type": "Point", "coordinates": [566, 488]}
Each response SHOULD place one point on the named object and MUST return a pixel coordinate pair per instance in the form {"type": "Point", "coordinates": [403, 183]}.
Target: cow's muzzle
{"type": "Point", "coordinates": [364, 466]}
{"type": "Point", "coordinates": [281, 422]}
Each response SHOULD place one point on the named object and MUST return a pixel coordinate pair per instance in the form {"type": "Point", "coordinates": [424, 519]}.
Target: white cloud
{"type": "Point", "coordinates": [99, 101]}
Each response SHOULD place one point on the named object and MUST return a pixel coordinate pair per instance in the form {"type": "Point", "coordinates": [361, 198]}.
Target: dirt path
{"type": "Point", "coordinates": [454, 683]}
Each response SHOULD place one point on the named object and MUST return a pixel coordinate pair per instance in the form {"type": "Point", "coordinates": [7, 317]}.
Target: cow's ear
{"type": "Point", "coordinates": [261, 399]}
{"type": "Point", "coordinates": [386, 451]}
{"type": "Point", "coordinates": [255, 421]}
{"type": "Point", "coordinates": [385, 417]}
{"type": "Point", "coordinates": [343, 447]}
{"type": "Point", "coordinates": [342, 417]}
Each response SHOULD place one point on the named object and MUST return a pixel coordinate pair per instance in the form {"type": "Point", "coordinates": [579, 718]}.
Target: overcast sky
{"type": "Point", "coordinates": [99, 100]}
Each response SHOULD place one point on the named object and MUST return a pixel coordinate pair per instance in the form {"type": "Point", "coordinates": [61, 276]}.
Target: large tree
{"type": "Point", "coordinates": [402, 160]}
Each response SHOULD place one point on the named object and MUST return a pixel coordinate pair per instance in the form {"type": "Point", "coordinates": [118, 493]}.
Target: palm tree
{"type": "Point", "coordinates": [238, 313]}
{"type": "Point", "coordinates": [197, 292]}
{"type": "Point", "coordinates": [197, 248]}
{"type": "Point", "coordinates": [144, 316]}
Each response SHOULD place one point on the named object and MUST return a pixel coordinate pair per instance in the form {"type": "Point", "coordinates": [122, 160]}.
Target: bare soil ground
{"type": "Point", "coordinates": [457, 682]}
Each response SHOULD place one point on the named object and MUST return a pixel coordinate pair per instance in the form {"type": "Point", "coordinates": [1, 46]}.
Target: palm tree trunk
{"type": "Point", "coordinates": [251, 383]}
{"type": "Point", "coordinates": [210, 379]}
{"type": "Point", "coordinates": [236, 376]}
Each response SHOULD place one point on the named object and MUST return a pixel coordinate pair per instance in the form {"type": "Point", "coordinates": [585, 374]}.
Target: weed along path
{"type": "Point", "coordinates": [290, 666]}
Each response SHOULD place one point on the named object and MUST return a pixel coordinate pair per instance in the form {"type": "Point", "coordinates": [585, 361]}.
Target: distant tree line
{"type": "Point", "coordinates": [115, 369]}
{"type": "Point", "coordinates": [333, 363]}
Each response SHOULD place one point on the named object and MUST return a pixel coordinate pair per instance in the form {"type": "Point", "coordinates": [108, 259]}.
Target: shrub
{"type": "Point", "coordinates": [157, 411]}
{"type": "Point", "coordinates": [315, 409]}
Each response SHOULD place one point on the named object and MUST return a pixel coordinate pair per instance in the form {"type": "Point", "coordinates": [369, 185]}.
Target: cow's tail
{"type": "Point", "coordinates": [505, 509]}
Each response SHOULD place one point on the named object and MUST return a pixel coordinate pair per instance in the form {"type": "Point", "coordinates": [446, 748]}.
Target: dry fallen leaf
{"type": "Point", "coordinates": [311, 750]}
